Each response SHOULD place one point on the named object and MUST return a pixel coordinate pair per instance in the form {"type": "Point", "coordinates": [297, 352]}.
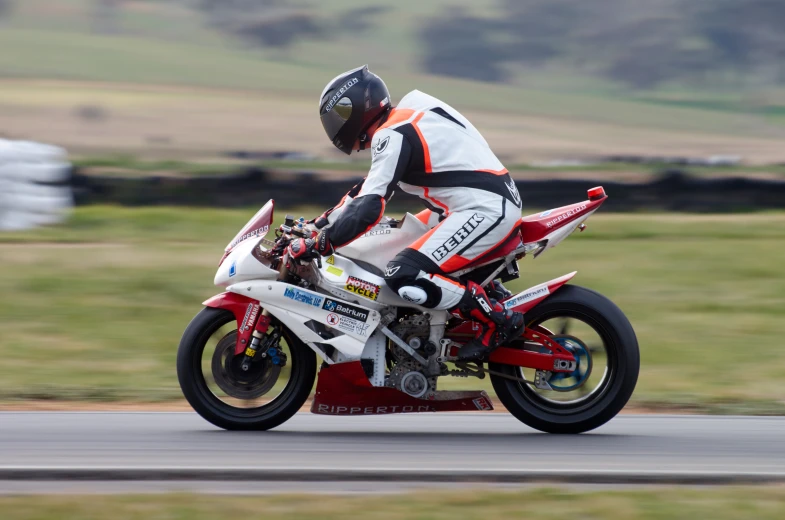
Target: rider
{"type": "Point", "coordinates": [428, 149]}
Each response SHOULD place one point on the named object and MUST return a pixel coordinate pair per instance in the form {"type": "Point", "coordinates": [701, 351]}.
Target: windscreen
{"type": "Point", "coordinates": [257, 227]}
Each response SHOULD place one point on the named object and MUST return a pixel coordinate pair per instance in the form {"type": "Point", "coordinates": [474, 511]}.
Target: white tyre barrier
{"type": "Point", "coordinates": [33, 191]}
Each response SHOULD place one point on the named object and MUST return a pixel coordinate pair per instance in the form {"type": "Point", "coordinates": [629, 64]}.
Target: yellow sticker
{"type": "Point", "coordinates": [250, 352]}
{"type": "Point", "coordinates": [334, 270]}
{"type": "Point", "coordinates": [331, 260]}
{"type": "Point", "coordinates": [363, 288]}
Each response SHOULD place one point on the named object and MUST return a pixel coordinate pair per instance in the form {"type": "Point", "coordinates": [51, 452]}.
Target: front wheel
{"type": "Point", "coordinates": [605, 346]}
{"type": "Point", "coordinates": [220, 390]}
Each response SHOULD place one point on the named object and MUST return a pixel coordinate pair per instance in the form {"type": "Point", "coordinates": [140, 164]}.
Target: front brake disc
{"type": "Point", "coordinates": [232, 379]}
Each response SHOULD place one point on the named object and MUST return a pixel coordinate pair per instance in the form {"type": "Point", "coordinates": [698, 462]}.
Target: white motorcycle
{"type": "Point", "coordinates": [247, 361]}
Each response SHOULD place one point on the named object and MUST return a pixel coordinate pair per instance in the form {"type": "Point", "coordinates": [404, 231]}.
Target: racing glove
{"type": "Point", "coordinates": [307, 249]}
{"type": "Point", "coordinates": [302, 249]}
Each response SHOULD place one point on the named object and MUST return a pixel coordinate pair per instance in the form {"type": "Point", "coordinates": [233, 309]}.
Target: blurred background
{"type": "Point", "coordinates": [138, 136]}
{"type": "Point", "coordinates": [169, 122]}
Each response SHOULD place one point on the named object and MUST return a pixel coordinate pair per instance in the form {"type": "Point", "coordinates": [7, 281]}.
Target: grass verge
{"type": "Point", "coordinates": [645, 504]}
{"type": "Point", "coordinates": [93, 310]}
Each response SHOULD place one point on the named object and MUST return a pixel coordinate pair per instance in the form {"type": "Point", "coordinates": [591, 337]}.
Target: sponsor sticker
{"type": "Point", "coordinates": [376, 232]}
{"type": "Point", "coordinates": [255, 233]}
{"type": "Point", "coordinates": [250, 316]}
{"type": "Point", "coordinates": [459, 236]}
{"type": "Point", "coordinates": [233, 269]}
{"type": "Point", "coordinates": [344, 309]}
{"type": "Point", "coordinates": [305, 297]}
{"type": "Point", "coordinates": [546, 213]}
{"type": "Point", "coordinates": [532, 294]}
{"type": "Point", "coordinates": [565, 215]}
{"type": "Point", "coordinates": [482, 403]}
{"type": "Point", "coordinates": [351, 325]}
{"type": "Point", "coordinates": [334, 270]}
{"type": "Point", "coordinates": [339, 93]}
{"type": "Point", "coordinates": [362, 288]}
{"type": "Point", "coordinates": [326, 409]}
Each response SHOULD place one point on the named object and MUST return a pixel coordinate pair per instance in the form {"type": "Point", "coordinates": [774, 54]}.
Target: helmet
{"type": "Point", "coordinates": [350, 104]}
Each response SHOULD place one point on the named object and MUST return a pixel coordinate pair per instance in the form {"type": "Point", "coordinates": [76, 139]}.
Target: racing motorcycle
{"type": "Point", "coordinates": [248, 359]}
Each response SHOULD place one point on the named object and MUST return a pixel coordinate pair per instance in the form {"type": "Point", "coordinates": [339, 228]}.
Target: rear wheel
{"type": "Point", "coordinates": [605, 346]}
{"type": "Point", "coordinates": [214, 383]}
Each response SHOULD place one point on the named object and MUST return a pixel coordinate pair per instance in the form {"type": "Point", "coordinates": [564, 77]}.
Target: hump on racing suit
{"type": "Point", "coordinates": [430, 150]}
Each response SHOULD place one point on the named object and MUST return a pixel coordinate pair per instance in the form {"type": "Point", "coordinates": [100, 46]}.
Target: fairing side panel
{"type": "Point", "coordinates": [240, 265]}
{"type": "Point", "coordinates": [342, 277]}
{"type": "Point", "coordinates": [526, 300]}
{"type": "Point", "coordinates": [380, 245]}
{"type": "Point", "coordinates": [294, 307]}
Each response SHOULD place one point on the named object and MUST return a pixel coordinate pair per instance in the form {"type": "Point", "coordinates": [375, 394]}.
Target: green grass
{"type": "Point", "coordinates": [718, 503]}
{"type": "Point", "coordinates": [93, 310]}
{"type": "Point", "coordinates": [165, 43]}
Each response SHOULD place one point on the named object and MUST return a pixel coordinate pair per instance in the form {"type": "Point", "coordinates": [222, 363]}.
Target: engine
{"type": "Point", "coordinates": [404, 372]}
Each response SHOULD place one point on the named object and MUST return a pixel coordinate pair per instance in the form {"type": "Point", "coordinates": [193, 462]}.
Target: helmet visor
{"type": "Point", "coordinates": [335, 118]}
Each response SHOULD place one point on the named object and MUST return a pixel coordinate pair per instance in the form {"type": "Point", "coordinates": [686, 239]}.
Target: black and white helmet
{"type": "Point", "coordinates": [350, 104]}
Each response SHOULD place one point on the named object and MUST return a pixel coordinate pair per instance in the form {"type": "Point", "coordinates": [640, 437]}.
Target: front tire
{"type": "Point", "coordinates": [206, 402]}
{"type": "Point", "coordinates": [616, 387]}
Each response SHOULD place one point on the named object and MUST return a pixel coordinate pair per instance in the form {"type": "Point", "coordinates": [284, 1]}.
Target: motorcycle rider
{"type": "Point", "coordinates": [427, 148]}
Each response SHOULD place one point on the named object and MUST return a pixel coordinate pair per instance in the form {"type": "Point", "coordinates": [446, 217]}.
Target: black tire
{"type": "Point", "coordinates": [223, 415]}
{"type": "Point", "coordinates": [624, 364]}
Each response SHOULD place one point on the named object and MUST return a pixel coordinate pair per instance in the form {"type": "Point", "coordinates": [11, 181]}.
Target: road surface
{"type": "Point", "coordinates": [490, 447]}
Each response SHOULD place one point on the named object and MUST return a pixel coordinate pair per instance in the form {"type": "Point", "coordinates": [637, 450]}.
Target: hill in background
{"type": "Point", "coordinates": [185, 77]}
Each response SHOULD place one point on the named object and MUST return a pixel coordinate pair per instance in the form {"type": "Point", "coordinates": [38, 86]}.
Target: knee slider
{"type": "Point", "coordinates": [406, 281]}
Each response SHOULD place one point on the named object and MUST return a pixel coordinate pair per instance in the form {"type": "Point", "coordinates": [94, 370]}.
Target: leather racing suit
{"type": "Point", "coordinates": [428, 149]}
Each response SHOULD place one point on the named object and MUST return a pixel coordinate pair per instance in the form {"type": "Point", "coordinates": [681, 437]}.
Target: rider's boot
{"type": "Point", "coordinates": [498, 324]}
{"type": "Point", "coordinates": [496, 291]}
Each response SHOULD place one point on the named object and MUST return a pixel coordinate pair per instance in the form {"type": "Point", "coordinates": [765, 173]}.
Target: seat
{"type": "Point", "coordinates": [502, 249]}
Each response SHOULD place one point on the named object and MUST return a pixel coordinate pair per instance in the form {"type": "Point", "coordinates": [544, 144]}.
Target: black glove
{"type": "Point", "coordinates": [323, 245]}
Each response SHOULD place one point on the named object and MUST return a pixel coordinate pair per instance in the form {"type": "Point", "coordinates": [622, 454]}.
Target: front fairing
{"type": "Point", "coordinates": [240, 265]}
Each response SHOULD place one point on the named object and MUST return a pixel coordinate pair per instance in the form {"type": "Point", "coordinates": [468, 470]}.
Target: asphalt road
{"type": "Point", "coordinates": [490, 447]}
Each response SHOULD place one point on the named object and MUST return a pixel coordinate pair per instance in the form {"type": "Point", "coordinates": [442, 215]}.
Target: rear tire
{"type": "Point", "coordinates": [621, 345]}
{"type": "Point", "coordinates": [210, 407]}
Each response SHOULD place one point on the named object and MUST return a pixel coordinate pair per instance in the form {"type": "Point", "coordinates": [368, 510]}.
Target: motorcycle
{"type": "Point", "coordinates": [247, 360]}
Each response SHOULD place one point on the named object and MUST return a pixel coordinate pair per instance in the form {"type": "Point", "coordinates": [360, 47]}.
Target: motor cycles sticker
{"type": "Point", "coordinates": [537, 292]}
{"type": "Point", "coordinates": [301, 296]}
{"type": "Point", "coordinates": [344, 309]}
{"type": "Point", "coordinates": [363, 288]}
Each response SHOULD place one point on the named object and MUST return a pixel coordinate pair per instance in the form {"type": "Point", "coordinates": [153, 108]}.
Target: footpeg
{"type": "Point", "coordinates": [541, 378]}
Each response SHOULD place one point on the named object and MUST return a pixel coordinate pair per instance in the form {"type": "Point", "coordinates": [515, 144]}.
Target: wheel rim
{"type": "Point", "coordinates": [225, 386]}
{"type": "Point", "coordinates": [597, 358]}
